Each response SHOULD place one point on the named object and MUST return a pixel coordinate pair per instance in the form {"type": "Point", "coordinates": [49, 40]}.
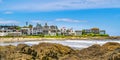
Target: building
{"type": "Point", "coordinates": [102, 32]}
{"type": "Point", "coordinates": [45, 30]}
{"type": "Point", "coordinates": [38, 29]}
{"type": "Point", "coordinates": [78, 32]}
{"type": "Point", "coordinates": [89, 31]}
{"type": "Point", "coordinates": [6, 30]}
{"type": "Point", "coordinates": [86, 31]}
{"type": "Point", "coordinates": [93, 31]}
{"type": "Point", "coordinates": [53, 30]}
{"type": "Point", "coordinates": [25, 31]}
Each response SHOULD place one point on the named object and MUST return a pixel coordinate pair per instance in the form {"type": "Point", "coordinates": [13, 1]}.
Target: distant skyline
{"type": "Point", "coordinates": [76, 14]}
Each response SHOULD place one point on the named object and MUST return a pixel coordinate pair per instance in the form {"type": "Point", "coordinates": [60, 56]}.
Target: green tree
{"type": "Point", "coordinates": [30, 26]}
{"type": "Point", "coordinates": [83, 32]}
{"type": "Point", "coordinates": [18, 27]}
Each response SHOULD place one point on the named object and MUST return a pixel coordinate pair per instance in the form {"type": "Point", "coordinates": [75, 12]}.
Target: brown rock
{"type": "Point", "coordinates": [110, 46]}
{"type": "Point", "coordinates": [115, 55]}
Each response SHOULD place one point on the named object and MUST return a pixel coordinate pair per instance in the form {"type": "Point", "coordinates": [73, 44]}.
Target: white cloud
{"type": "Point", "coordinates": [8, 12]}
{"type": "Point", "coordinates": [52, 5]}
{"type": "Point", "coordinates": [69, 20]}
{"type": "Point", "coordinates": [3, 21]}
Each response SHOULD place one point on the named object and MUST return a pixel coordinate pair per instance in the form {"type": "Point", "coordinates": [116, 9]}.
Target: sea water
{"type": "Point", "coordinates": [77, 44]}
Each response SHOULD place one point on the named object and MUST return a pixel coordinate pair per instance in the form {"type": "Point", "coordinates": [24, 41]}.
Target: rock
{"type": "Point", "coordinates": [115, 55]}
{"type": "Point", "coordinates": [51, 51]}
{"type": "Point", "coordinates": [91, 52]}
{"type": "Point", "coordinates": [110, 46]}
{"type": "Point", "coordinates": [70, 57]}
{"type": "Point", "coordinates": [21, 47]}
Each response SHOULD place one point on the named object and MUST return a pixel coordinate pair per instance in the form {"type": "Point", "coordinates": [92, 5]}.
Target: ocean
{"type": "Point", "coordinates": [76, 44]}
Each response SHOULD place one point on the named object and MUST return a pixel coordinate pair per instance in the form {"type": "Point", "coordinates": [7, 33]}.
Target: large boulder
{"type": "Point", "coordinates": [21, 47]}
{"type": "Point", "coordinates": [51, 51]}
{"type": "Point", "coordinates": [115, 55]}
{"type": "Point", "coordinates": [110, 46]}
{"type": "Point", "coordinates": [70, 57]}
{"type": "Point", "coordinates": [93, 52]}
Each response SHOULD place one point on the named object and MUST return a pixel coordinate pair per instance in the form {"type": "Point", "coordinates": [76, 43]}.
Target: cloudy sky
{"type": "Point", "coordinates": [77, 14]}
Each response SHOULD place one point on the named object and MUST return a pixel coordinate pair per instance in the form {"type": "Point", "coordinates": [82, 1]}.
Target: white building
{"type": "Point", "coordinates": [78, 32]}
{"type": "Point", "coordinates": [9, 31]}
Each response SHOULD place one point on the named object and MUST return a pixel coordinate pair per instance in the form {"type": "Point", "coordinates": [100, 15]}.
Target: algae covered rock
{"type": "Point", "coordinates": [115, 55]}
{"type": "Point", "coordinates": [51, 51]}
{"type": "Point", "coordinates": [110, 46]}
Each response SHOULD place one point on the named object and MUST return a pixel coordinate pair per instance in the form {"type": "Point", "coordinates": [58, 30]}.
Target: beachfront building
{"type": "Point", "coordinates": [78, 32]}
{"type": "Point", "coordinates": [69, 32]}
{"type": "Point", "coordinates": [86, 31]}
{"type": "Point", "coordinates": [6, 30]}
{"type": "Point", "coordinates": [25, 31]}
{"type": "Point", "coordinates": [93, 31]}
{"type": "Point", "coordinates": [38, 29]}
{"type": "Point", "coordinates": [66, 32]}
{"type": "Point", "coordinates": [89, 31]}
{"type": "Point", "coordinates": [53, 30]}
{"type": "Point", "coordinates": [102, 32]}
{"type": "Point", "coordinates": [45, 30]}
{"type": "Point", "coordinates": [63, 31]}
{"type": "Point", "coordinates": [50, 30]}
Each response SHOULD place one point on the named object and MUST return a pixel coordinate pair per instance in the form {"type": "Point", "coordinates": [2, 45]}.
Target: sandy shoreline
{"type": "Point", "coordinates": [27, 39]}
{"type": "Point", "coordinates": [37, 39]}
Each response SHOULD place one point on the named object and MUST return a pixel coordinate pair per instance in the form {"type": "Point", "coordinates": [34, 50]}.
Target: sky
{"type": "Point", "coordinates": [76, 14]}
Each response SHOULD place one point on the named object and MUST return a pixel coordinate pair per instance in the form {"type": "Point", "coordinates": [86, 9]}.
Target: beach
{"type": "Point", "coordinates": [22, 39]}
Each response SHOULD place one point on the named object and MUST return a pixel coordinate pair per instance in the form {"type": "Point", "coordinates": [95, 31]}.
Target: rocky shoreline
{"type": "Point", "coordinates": [50, 51]}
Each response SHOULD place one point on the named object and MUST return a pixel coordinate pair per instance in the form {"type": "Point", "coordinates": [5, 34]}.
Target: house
{"type": "Point", "coordinates": [69, 32]}
{"type": "Point", "coordinates": [46, 29]}
{"type": "Point", "coordinates": [38, 29]}
{"type": "Point", "coordinates": [25, 31]}
{"type": "Point", "coordinates": [95, 30]}
{"type": "Point", "coordinates": [63, 31]}
{"type": "Point", "coordinates": [53, 30]}
{"type": "Point", "coordinates": [102, 32]}
{"type": "Point", "coordinates": [78, 32]}
{"type": "Point", "coordinates": [87, 31]}
{"type": "Point", "coordinates": [6, 30]}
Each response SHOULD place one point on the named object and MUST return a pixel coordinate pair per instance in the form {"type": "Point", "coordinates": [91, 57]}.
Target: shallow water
{"type": "Point", "coordinates": [78, 44]}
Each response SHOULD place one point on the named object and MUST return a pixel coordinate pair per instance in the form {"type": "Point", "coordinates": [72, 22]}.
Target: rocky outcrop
{"type": "Point", "coordinates": [50, 51]}
{"type": "Point", "coordinates": [97, 52]}
{"type": "Point", "coordinates": [115, 55]}
{"type": "Point", "coordinates": [42, 51]}
{"type": "Point", "coordinates": [110, 46]}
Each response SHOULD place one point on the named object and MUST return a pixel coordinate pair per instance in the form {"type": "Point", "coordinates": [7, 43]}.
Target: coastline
{"type": "Point", "coordinates": [22, 39]}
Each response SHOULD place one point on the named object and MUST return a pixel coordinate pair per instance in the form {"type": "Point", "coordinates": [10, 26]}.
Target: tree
{"type": "Point", "coordinates": [30, 26]}
{"type": "Point", "coordinates": [18, 27]}
{"type": "Point", "coordinates": [83, 32]}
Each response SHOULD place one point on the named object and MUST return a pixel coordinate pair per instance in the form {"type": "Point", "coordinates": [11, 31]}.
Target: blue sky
{"type": "Point", "coordinates": [77, 14]}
